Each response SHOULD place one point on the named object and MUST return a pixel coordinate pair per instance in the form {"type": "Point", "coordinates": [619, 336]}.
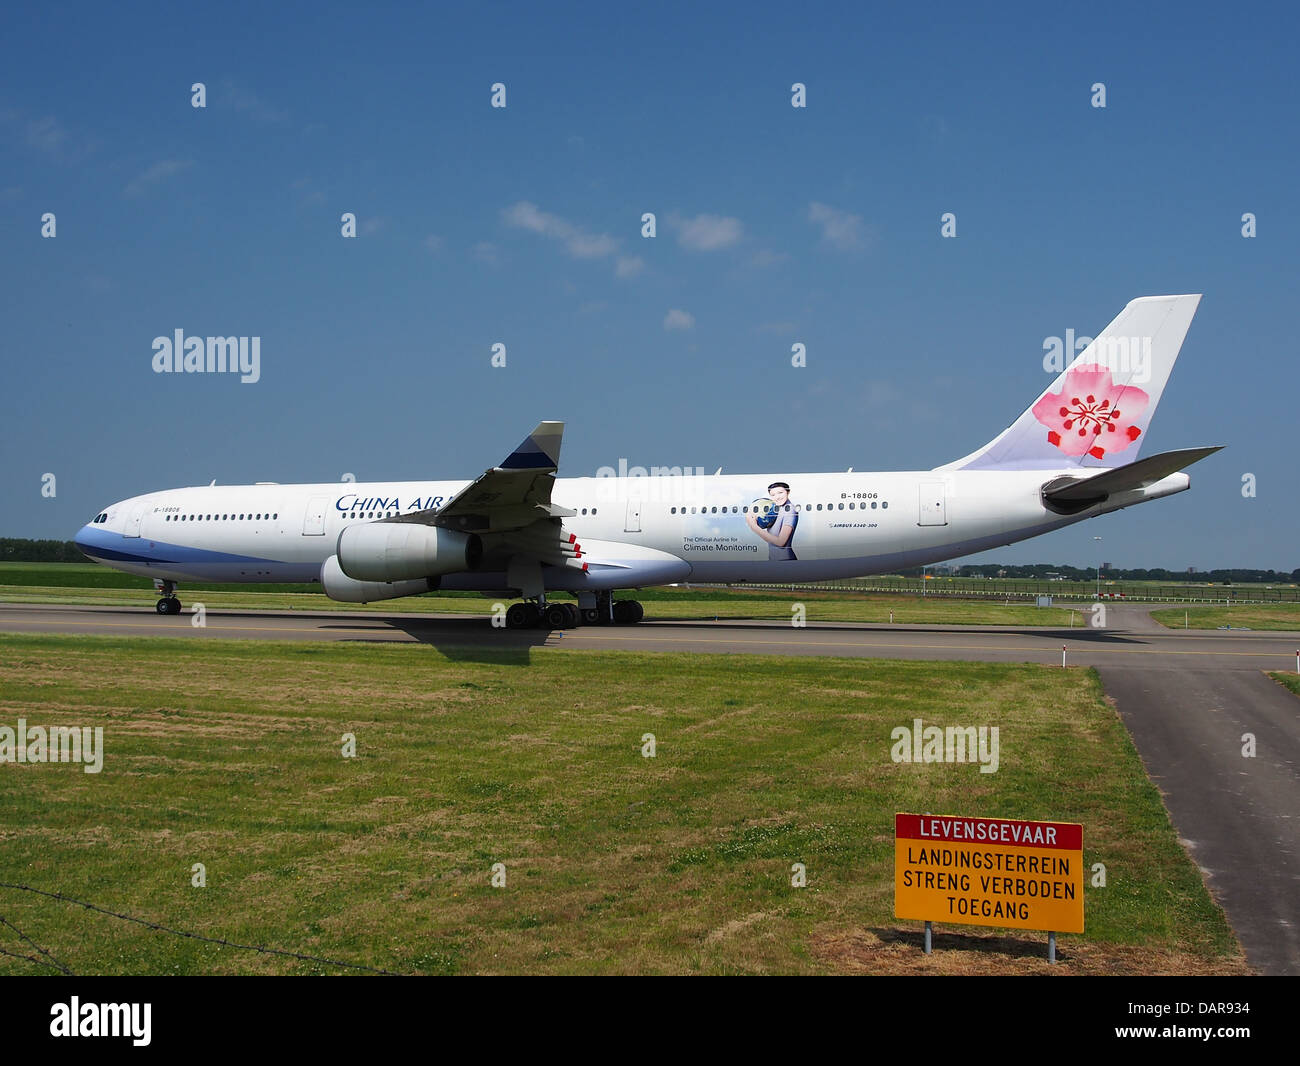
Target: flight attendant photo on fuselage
{"type": "Point", "coordinates": [780, 537]}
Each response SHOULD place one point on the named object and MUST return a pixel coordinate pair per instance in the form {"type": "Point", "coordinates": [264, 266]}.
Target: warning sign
{"type": "Point", "coordinates": [989, 871]}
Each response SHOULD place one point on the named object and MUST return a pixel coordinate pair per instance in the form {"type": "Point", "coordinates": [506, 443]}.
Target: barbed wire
{"type": "Point", "coordinates": [157, 927]}
{"type": "Point", "coordinates": [53, 961]}
{"type": "Point", "coordinates": [27, 958]}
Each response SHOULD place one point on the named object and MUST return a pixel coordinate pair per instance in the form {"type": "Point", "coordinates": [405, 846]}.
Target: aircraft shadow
{"type": "Point", "coordinates": [459, 639]}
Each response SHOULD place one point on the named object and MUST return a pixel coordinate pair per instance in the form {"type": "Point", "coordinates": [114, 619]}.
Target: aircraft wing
{"type": "Point", "coordinates": [507, 497]}
{"type": "Point", "coordinates": [1067, 491]}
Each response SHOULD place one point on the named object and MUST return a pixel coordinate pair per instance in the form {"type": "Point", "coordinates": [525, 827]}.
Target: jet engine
{"type": "Point", "coordinates": [404, 551]}
{"type": "Point", "coordinates": [338, 586]}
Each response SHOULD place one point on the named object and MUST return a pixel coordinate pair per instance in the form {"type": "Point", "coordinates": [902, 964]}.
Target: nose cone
{"type": "Point", "coordinates": [84, 540]}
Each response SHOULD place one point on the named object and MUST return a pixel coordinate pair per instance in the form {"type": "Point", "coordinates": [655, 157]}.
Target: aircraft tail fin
{"type": "Point", "coordinates": [1095, 414]}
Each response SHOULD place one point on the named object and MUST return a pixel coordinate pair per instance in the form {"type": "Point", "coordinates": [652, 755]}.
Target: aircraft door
{"type": "Point", "coordinates": [133, 521]}
{"type": "Point", "coordinates": [313, 523]}
{"type": "Point", "coordinates": [633, 523]}
{"type": "Point", "coordinates": [933, 509]}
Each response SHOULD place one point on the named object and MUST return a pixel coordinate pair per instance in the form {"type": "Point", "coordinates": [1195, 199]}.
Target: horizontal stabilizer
{"type": "Point", "coordinates": [1075, 493]}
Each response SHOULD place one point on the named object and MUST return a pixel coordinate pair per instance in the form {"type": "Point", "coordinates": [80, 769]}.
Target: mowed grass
{"type": "Point", "coordinates": [228, 754]}
{"type": "Point", "coordinates": [1276, 616]}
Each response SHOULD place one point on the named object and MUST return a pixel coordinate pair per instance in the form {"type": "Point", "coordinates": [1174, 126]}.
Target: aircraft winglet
{"type": "Point", "coordinates": [540, 450]}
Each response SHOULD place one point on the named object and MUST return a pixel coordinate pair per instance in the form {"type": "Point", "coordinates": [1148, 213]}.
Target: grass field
{"type": "Point", "coordinates": [1276, 616]}
{"type": "Point", "coordinates": [229, 754]}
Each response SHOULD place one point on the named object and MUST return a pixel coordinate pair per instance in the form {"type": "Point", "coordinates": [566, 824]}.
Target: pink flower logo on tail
{"type": "Point", "coordinates": [1087, 415]}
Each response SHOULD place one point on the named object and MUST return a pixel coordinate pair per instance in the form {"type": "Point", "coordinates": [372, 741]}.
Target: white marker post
{"type": "Point", "coordinates": [1062, 656]}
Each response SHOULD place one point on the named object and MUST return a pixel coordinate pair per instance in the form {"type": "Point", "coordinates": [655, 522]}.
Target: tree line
{"type": "Point", "coordinates": [24, 550]}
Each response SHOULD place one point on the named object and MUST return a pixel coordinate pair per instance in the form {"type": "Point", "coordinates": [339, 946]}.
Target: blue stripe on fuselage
{"type": "Point", "coordinates": [103, 546]}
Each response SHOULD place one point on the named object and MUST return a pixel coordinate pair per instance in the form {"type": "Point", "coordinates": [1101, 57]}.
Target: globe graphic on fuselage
{"type": "Point", "coordinates": [767, 513]}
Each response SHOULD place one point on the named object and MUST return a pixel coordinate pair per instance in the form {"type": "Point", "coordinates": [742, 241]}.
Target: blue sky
{"type": "Point", "coordinates": [522, 226]}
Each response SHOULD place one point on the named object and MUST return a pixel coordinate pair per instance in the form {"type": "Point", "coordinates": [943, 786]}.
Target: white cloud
{"type": "Point", "coordinates": [159, 172]}
{"type": "Point", "coordinates": [249, 103]}
{"type": "Point", "coordinates": [46, 133]}
{"type": "Point", "coordinates": [628, 266]}
{"type": "Point", "coordinates": [676, 319]}
{"type": "Point", "coordinates": [706, 233]}
{"type": "Point", "coordinates": [308, 194]}
{"type": "Point", "coordinates": [839, 228]}
{"type": "Point", "coordinates": [765, 257]}
{"type": "Point", "coordinates": [485, 252]}
{"type": "Point", "coordinates": [577, 242]}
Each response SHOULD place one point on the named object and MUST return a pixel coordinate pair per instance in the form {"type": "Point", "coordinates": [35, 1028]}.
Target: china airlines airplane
{"type": "Point", "coordinates": [518, 531]}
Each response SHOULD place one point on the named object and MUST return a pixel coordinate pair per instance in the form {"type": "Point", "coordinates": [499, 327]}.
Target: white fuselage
{"type": "Point", "coordinates": [850, 524]}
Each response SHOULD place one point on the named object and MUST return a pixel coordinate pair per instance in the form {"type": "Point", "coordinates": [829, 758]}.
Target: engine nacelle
{"type": "Point", "coordinates": [338, 586]}
{"type": "Point", "coordinates": [404, 551]}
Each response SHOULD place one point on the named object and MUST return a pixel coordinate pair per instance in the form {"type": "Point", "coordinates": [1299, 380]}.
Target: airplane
{"type": "Point", "coordinates": [519, 532]}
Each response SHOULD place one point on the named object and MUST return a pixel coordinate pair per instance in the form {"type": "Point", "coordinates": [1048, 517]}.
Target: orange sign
{"type": "Point", "coordinates": [989, 871]}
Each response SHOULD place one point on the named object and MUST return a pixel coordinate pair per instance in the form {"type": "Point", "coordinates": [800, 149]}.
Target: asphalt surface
{"type": "Point", "coordinates": [1187, 697]}
{"type": "Point", "coordinates": [1131, 637]}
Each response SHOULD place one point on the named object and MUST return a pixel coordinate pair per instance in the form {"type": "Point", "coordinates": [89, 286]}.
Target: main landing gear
{"type": "Point", "coordinates": [565, 615]}
{"type": "Point", "coordinates": [169, 604]}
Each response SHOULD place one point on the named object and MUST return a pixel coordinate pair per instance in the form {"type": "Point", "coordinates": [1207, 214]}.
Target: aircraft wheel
{"type": "Point", "coordinates": [575, 615]}
{"type": "Point", "coordinates": [637, 612]}
{"type": "Point", "coordinates": [591, 616]}
{"type": "Point", "coordinates": [165, 605]}
{"type": "Point", "coordinates": [517, 616]}
{"type": "Point", "coordinates": [534, 615]}
{"type": "Point", "coordinates": [623, 612]}
{"type": "Point", "coordinates": [556, 616]}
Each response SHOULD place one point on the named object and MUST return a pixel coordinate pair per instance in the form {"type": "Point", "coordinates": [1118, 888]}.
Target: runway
{"type": "Point", "coordinates": [1188, 698]}
{"type": "Point", "coordinates": [1130, 639]}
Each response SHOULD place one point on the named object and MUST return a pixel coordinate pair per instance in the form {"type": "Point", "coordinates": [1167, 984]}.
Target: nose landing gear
{"type": "Point", "coordinates": [169, 604]}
